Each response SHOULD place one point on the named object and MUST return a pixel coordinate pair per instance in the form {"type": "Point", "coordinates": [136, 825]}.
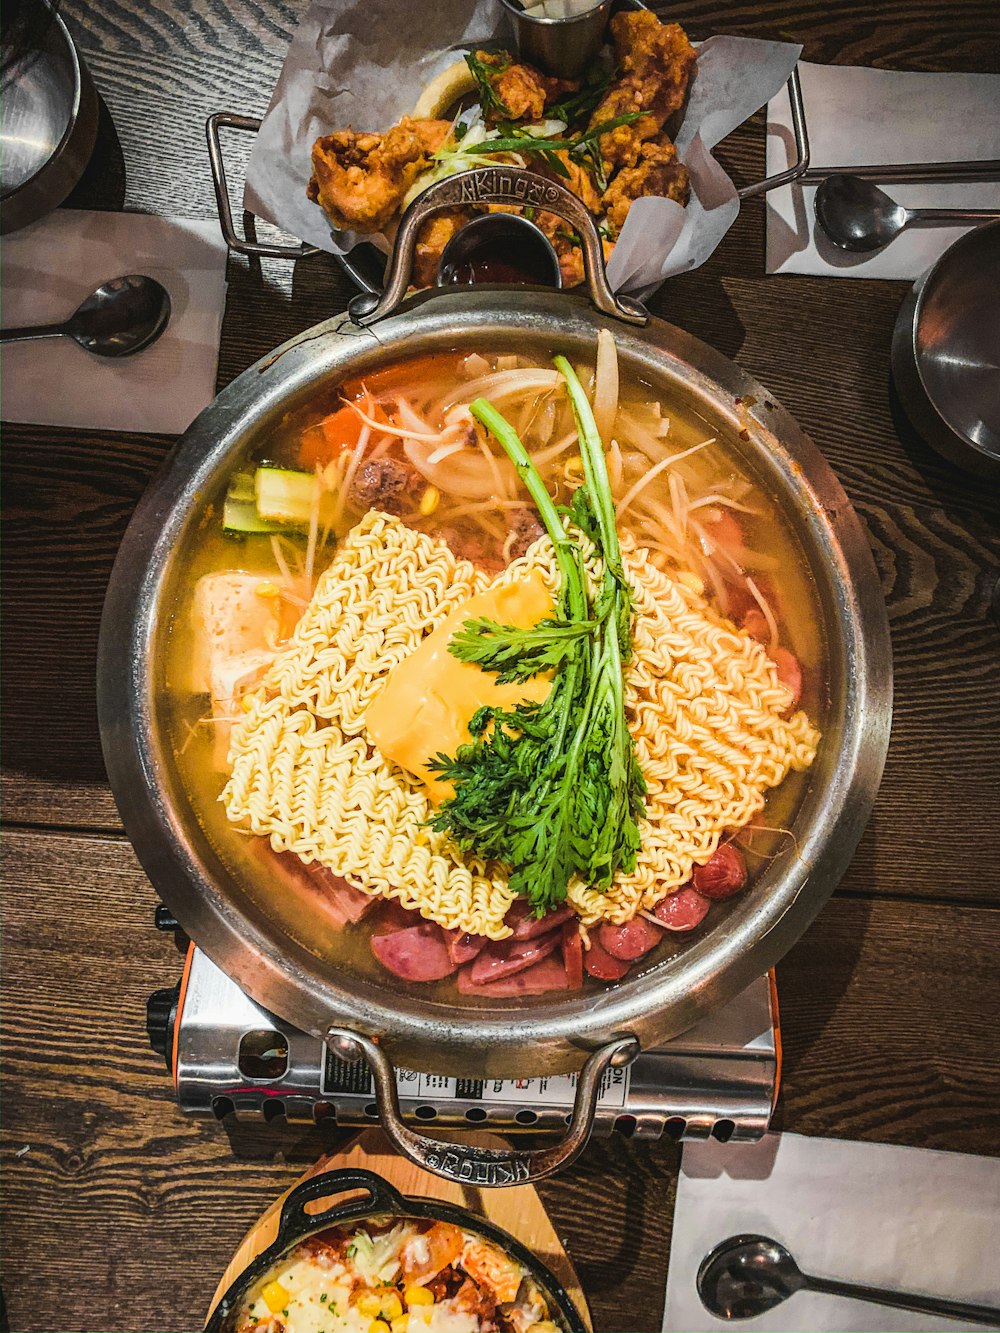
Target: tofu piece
{"type": "Point", "coordinates": [229, 620]}
{"type": "Point", "coordinates": [231, 678]}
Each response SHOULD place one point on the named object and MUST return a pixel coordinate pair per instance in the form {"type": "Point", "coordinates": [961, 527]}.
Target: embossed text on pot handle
{"type": "Point", "coordinates": [490, 1168]}
{"type": "Point", "coordinates": [497, 185]}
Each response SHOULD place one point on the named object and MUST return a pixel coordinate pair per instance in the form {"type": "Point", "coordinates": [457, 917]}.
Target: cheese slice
{"type": "Point", "coordinates": [428, 700]}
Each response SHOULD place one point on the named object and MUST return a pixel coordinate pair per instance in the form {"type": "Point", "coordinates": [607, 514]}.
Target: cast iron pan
{"type": "Point", "coordinates": [383, 1201]}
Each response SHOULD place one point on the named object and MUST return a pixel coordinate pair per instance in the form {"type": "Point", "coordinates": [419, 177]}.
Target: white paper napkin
{"type": "Point", "coordinates": [868, 117]}
{"type": "Point", "coordinates": [895, 1217]}
{"type": "Point", "coordinates": [51, 266]}
{"type": "Point", "coordinates": [355, 64]}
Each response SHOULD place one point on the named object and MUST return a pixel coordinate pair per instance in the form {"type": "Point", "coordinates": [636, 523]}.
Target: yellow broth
{"type": "Point", "coordinates": [715, 469]}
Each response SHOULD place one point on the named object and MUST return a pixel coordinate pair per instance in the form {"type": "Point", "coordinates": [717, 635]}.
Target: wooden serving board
{"type": "Point", "coordinates": [518, 1209]}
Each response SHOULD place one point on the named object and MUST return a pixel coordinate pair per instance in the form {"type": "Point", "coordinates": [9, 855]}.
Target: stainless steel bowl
{"type": "Point", "coordinates": [560, 46]}
{"type": "Point", "coordinates": [946, 353]}
{"type": "Point", "coordinates": [746, 935]}
{"type": "Point", "coordinates": [48, 126]}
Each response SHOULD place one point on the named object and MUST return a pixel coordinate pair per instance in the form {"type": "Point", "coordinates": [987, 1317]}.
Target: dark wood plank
{"type": "Point", "coordinates": [130, 1212]}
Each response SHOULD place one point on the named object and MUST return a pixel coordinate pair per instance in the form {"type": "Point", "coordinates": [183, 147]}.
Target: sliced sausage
{"type": "Point", "coordinates": [789, 673]}
{"type": "Point", "coordinates": [547, 975]}
{"type": "Point", "coordinates": [572, 952]}
{"type": "Point", "coordinates": [526, 926]}
{"type": "Point", "coordinates": [418, 953]}
{"type": "Point", "coordinates": [722, 876]}
{"type": "Point", "coordinates": [682, 910]}
{"type": "Point", "coordinates": [597, 962]}
{"type": "Point", "coordinates": [463, 947]}
{"type": "Point", "coordinates": [631, 940]}
{"type": "Point", "coordinates": [506, 957]}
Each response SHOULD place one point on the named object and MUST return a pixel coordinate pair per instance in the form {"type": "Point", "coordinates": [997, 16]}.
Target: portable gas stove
{"type": "Point", "coordinates": [229, 1056]}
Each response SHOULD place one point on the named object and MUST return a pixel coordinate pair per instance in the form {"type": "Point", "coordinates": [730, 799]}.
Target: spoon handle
{"type": "Point", "coordinates": [31, 331]}
{"type": "Point", "coordinates": [933, 215]}
{"type": "Point", "coordinates": [902, 1300]}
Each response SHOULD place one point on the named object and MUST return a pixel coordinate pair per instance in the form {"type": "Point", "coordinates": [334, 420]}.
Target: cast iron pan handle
{"type": "Point", "coordinates": [466, 1163]}
{"type": "Point", "coordinates": [496, 185]}
{"type": "Point", "coordinates": [295, 1221]}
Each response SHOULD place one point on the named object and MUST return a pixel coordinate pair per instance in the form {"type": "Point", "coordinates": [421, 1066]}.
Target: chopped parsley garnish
{"type": "Point", "coordinates": [554, 789]}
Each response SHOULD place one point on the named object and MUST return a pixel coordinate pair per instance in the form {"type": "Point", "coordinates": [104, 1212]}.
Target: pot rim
{"type": "Point", "coordinates": [552, 1035]}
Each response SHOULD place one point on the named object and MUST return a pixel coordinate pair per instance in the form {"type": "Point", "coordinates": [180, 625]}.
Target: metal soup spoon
{"type": "Point", "coordinates": [857, 215]}
{"type": "Point", "coordinates": [122, 317]}
{"type": "Point", "coordinates": [746, 1276]}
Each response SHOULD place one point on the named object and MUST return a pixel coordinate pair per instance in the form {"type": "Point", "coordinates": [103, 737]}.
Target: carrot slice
{"type": "Point", "coordinates": [325, 440]}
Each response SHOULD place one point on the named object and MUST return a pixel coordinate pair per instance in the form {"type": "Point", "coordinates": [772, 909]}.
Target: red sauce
{"type": "Point", "coordinates": [487, 263]}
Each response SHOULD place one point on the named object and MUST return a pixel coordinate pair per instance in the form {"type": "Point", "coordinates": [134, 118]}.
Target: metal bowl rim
{"type": "Point", "coordinates": [74, 114]}
{"type": "Point", "coordinates": [455, 1036]}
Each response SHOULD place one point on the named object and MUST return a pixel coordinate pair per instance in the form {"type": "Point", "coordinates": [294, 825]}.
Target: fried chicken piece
{"type": "Point", "coordinates": [522, 91]}
{"type": "Point", "coordinates": [567, 247]}
{"type": "Point", "coordinates": [360, 180]}
{"type": "Point", "coordinates": [579, 179]}
{"type": "Point", "coordinates": [658, 171]}
{"type": "Point", "coordinates": [433, 236]}
{"type": "Point", "coordinates": [656, 62]}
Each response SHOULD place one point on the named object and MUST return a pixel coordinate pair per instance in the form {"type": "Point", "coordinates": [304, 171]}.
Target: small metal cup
{"type": "Point", "coordinates": [563, 47]}
{"type": "Point", "coordinates": [505, 237]}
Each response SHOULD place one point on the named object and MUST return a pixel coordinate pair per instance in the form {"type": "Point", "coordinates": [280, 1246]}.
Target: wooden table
{"type": "Point", "coordinates": [122, 1215]}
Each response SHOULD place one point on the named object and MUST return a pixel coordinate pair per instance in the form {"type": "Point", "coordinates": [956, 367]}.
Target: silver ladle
{"type": "Point", "coordinates": [122, 317]}
{"type": "Point", "coordinates": [746, 1276]}
{"type": "Point", "coordinates": [857, 215]}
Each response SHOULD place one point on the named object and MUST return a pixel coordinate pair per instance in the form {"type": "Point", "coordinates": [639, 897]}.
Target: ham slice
{"type": "Point", "coordinates": [547, 975]}
{"type": "Point", "coordinates": [418, 953]}
{"type": "Point", "coordinates": [506, 957]}
{"type": "Point", "coordinates": [463, 947]}
{"type": "Point", "coordinates": [597, 962]}
{"type": "Point", "coordinates": [526, 926]}
{"type": "Point", "coordinates": [631, 940]}
{"type": "Point", "coordinates": [683, 910]}
{"type": "Point", "coordinates": [340, 902]}
{"type": "Point", "coordinates": [572, 952]}
{"type": "Point", "coordinates": [789, 673]}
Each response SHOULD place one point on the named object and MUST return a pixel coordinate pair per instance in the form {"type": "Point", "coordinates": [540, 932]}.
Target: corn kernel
{"type": "Point", "coordinates": [275, 1296]}
{"type": "Point", "coordinates": [400, 1324]}
{"type": "Point", "coordinates": [392, 1306]}
{"type": "Point", "coordinates": [266, 589]}
{"type": "Point", "coordinates": [429, 501]}
{"type": "Point", "coordinates": [417, 1295]}
{"type": "Point", "coordinates": [543, 1326]}
{"type": "Point", "coordinates": [573, 468]}
{"type": "Point", "coordinates": [369, 1304]}
{"type": "Point", "coordinates": [246, 703]}
{"type": "Point", "coordinates": [379, 1326]}
{"type": "Point", "coordinates": [691, 581]}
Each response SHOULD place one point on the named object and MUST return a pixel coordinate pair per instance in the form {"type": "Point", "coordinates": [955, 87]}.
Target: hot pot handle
{"type": "Point", "coordinates": [296, 1222]}
{"type": "Point", "coordinates": [496, 185]}
{"type": "Point", "coordinates": [466, 1163]}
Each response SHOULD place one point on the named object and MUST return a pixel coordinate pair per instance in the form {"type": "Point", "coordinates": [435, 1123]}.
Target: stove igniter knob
{"type": "Point", "coordinates": [161, 1016]}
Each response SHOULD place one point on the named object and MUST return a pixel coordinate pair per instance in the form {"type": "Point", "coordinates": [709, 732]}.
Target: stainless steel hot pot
{"type": "Point", "coordinates": [387, 1022]}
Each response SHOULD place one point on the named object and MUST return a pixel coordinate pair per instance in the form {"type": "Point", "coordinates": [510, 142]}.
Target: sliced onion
{"type": "Point", "coordinates": [606, 384]}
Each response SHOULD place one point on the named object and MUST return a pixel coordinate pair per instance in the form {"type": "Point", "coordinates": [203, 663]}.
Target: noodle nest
{"type": "Point", "coordinates": [703, 700]}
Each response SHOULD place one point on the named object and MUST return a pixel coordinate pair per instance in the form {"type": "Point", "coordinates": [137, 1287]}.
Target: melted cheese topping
{"type": "Point", "coordinates": [429, 698]}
